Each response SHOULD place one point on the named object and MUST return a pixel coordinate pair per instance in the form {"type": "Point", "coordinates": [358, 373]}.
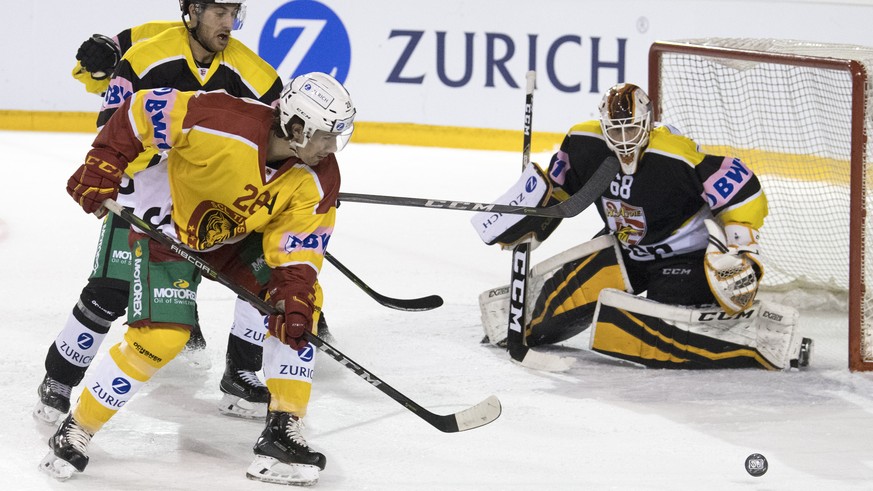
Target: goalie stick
{"type": "Point", "coordinates": [515, 328]}
{"type": "Point", "coordinates": [472, 417]}
{"type": "Point", "coordinates": [429, 302]}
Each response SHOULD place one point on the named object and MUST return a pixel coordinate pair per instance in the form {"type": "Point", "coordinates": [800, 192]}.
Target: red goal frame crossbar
{"type": "Point", "coordinates": [858, 215]}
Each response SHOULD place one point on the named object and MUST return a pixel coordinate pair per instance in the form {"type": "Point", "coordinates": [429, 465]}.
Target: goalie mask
{"type": "Point", "coordinates": [239, 15]}
{"type": "Point", "coordinates": [626, 120]}
{"type": "Point", "coordinates": [322, 103]}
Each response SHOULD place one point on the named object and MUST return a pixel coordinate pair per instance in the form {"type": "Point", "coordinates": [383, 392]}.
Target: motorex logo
{"type": "Point", "coordinates": [85, 341]}
{"type": "Point", "coordinates": [305, 36]}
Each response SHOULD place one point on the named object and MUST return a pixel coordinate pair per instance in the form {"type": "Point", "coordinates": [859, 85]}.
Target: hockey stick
{"type": "Point", "coordinates": [515, 329]}
{"type": "Point", "coordinates": [466, 419]}
{"type": "Point", "coordinates": [429, 302]}
{"type": "Point", "coordinates": [576, 204]}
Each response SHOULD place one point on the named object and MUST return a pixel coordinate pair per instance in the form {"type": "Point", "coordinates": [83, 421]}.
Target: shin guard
{"type": "Point", "coordinates": [130, 364]}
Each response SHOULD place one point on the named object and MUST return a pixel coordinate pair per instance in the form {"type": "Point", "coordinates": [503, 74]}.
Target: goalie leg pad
{"type": "Point", "coordinates": [562, 293]}
{"type": "Point", "coordinates": [565, 304]}
{"type": "Point", "coordinates": [666, 336]}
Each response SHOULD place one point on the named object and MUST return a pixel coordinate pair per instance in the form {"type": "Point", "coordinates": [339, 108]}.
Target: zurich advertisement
{"type": "Point", "coordinates": [408, 68]}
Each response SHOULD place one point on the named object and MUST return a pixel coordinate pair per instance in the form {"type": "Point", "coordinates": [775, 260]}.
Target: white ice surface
{"type": "Point", "coordinates": [603, 425]}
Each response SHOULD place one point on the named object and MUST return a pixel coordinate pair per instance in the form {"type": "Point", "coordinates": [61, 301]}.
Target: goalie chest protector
{"type": "Point", "coordinates": [658, 211]}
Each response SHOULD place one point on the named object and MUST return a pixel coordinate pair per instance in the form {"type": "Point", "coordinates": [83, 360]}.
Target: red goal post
{"type": "Point", "coordinates": [798, 114]}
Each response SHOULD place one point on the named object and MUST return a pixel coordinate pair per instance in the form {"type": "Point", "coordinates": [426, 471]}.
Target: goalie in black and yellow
{"type": "Point", "coordinates": [681, 226]}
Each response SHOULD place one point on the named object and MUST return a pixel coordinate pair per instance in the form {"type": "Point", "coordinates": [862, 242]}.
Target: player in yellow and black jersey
{"type": "Point", "coordinates": [197, 53]}
{"type": "Point", "coordinates": [680, 226]}
{"type": "Point", "coordinates": [98, 56]}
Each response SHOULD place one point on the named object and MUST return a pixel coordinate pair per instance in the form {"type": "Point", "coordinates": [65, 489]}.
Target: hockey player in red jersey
{"type": "Point", "coordinates": [253, 189]}
{"type": "Point", "coordinates": [681, 226]}
{"type": "Point", "coordinates": [197, 53]}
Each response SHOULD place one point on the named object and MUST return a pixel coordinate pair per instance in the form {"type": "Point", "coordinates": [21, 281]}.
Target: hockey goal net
{"type": "Point", "coordinates": [798, 114]}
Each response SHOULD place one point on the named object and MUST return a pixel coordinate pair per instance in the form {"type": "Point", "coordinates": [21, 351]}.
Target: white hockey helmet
{"type": "Point", "coordinates": [626, 119]}
{"type": "Point", "coordinates": [322, 103]}
{"type": "Point", "coordinates": [239, 16]}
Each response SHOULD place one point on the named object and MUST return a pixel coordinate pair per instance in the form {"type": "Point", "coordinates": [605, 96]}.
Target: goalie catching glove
{"type": "Point", "coordinates": [94, 182]}
{"type": "Point", "coordinates": [733, 265]}
{"type": "Point", "coordinates": [532, 189]}
{"type": "Point", "coordinates": [285, 293]}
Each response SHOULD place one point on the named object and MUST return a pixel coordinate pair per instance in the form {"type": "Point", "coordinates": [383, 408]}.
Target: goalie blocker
{"type": "Point", "coordinates": [532, 189]}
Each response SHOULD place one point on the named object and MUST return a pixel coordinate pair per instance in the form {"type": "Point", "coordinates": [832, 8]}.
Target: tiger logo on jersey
{"type": "Point", "coordinates": [212, 224]}
{"type": "Point", "coordinates": [628, 222]}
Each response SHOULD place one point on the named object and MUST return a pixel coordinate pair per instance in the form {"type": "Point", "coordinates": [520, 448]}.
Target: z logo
{"type": "Point", "coordinates": [305, 36]}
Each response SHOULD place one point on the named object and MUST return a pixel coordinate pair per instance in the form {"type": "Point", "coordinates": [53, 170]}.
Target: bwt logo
{"type": "Point", "coordinates": [85, 341]}
{"type": "Point", "coordinates": [305, 36]}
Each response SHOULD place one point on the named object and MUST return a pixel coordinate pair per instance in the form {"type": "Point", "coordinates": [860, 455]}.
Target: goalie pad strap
{"type": "Point", "coordinates": [667, 336]}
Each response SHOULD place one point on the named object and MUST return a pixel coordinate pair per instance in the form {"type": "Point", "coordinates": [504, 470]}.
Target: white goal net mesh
{"type": "Point", "coordinates": [792, 124]}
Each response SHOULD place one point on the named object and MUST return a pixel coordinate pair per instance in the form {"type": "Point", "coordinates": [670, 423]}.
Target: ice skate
{"type": "Point", "coordinates": [804, 354]}
{"type": "Point", "coordinates": [245, 396]}
{"type": "Point", "coordinates": [282, 455]}
{"type": "Point", "coordinates": [195, 352]}
{"type": "Point", "coordinates": [69, 450]}
{"type": "Point", "coordinates": [53, 403]}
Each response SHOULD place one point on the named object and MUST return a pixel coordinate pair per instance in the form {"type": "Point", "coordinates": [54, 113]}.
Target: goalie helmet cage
{"type": "Point", "coordinates": [798, 114]}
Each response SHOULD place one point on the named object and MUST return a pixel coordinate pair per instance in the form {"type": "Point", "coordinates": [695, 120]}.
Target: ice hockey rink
{"type": "Point", "coordinates": [601, 425]}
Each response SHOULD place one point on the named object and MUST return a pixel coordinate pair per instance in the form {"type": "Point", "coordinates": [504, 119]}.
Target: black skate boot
{"type": "Point", "coordinates": [54, 401]}
{"type": "Point", "coordinates": [245, 396]}
{"type": "Point", "coordinates": [282, 455]}
{"type": "Point", "coordinates": [69, 450]}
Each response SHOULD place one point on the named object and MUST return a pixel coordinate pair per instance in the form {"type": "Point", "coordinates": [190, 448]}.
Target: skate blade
{"type": "Point", "coordinates": [47, 414]}
{"type": "Point", "coordinates": [268, 469]}
{"type": "Point", "coordinates": [59, 469]}
{"type": "Point", "coordinates": [238, 407]}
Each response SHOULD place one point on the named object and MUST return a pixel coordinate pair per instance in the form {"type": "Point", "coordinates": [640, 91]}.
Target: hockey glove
{"type": "Point", "coordinates": [732, 265]}
{"type": "Point", "coordinates": [99, 55]}
{"type": "Point", "coordinates": [285, 293]}
{"type": "Point", "coordinates": [94, 182]}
